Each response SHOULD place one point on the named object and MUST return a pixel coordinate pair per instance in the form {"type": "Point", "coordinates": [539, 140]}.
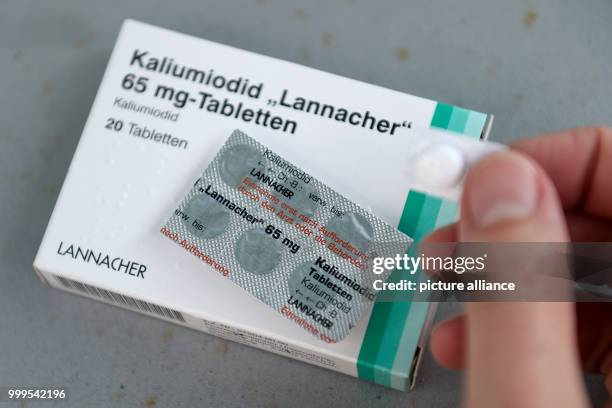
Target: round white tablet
{"type": "Point", "coordinates": [440, 165]}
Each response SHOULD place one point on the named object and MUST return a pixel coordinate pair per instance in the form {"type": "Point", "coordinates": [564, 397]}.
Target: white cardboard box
{"type": "Point", "coordinates": [150, 133]}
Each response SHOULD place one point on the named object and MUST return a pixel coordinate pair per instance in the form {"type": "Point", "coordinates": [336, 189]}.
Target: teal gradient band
{"type": "Point", "coordinates": [394, 328]}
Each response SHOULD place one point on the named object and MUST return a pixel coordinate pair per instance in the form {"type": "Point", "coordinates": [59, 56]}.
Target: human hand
{"type": "Point", "coordinates": [552, 188]}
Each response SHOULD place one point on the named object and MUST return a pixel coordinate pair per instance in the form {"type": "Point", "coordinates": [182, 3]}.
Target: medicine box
{"type": "Point", "coordinates": [166, 104]}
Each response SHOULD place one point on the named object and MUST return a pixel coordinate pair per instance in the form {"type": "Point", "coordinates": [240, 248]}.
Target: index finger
{"type": "Point", "coordinates": [579, 163]}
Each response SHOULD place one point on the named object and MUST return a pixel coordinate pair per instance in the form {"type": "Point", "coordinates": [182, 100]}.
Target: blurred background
{"type": "Point", "coordinates": [537, 65]}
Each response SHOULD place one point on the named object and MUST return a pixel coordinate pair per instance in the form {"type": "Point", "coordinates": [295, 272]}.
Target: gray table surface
{"type": "Point", "coordinates": [538, 65]}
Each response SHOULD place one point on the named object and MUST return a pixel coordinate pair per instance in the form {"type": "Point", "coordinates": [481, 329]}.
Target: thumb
{"type": "Point", "coordinates": [518, 354]}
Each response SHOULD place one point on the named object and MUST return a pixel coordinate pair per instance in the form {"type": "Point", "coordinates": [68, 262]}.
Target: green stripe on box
{"type": "Point", "coordinates": [413, 205]}
{"type": "Point", "coordinates": [458, 120]}
{"type": "Point", "coordinates": [405, 351]}
{"type": "Point", "coordinates": [387, 326]}
{"type": "Point", "coordinates": [391, 316]}
{"type": "Point", "coordinates": [367, 363]}
{"type": "Point", "coordinates": [386, 313]}
{"type": "Point", "coordinates": [442, 116]}
{"type": "Point", "coordinates": [390, 340]}
{"type": "Point", "coordinates": [394, 328]}
{"type": "Point", "coordinates": [448, 211]}
{"type": "Point", "coordinates": [428, 216]}
{"type": "Point", "coordinates": [475, 124]}
{"type": "Point", "coordinates": [418, 313]}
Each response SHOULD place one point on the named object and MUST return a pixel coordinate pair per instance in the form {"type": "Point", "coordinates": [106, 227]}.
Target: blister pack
{"type": "Point", "coordinates": [285, 237]}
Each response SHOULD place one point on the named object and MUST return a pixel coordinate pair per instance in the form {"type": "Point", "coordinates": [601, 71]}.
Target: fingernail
{"type": "Point", "coordinates": [503, 189]}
